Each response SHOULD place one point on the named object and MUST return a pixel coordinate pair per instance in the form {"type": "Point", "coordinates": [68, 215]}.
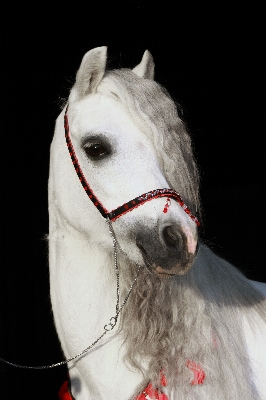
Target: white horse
{"type": "Point", "coordinates": [193, 326]}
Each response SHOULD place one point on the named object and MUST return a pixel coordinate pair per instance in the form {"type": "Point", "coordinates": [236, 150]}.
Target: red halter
{"type": "Point", "coordinates": [114, 214]}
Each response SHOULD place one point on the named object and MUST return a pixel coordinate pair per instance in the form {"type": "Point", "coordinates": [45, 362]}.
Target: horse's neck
{"type": "Point", "coordinates": [83, 294]}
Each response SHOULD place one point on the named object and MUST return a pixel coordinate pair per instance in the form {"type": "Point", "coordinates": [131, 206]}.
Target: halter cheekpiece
{"type": "Point", "coordinates": [129, 206]}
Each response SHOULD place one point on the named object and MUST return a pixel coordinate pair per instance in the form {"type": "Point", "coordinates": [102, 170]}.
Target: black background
{"type": "Point", "coordinates": [209, 55]}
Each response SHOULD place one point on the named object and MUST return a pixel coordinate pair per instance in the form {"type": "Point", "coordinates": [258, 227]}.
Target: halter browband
{"type": "Point", "coordinates": [114, 214]}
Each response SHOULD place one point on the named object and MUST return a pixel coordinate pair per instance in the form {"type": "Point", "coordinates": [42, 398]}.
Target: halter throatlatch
{"type": "Point", "coordinates": [121, 210]}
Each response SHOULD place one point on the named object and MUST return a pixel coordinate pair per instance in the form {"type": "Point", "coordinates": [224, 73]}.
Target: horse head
{"type": "Point", "coordinates": [129, 140]}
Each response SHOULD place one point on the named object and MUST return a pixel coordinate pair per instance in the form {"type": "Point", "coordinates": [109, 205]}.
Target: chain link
{"type": "Point", "coordinates": [113, 320]}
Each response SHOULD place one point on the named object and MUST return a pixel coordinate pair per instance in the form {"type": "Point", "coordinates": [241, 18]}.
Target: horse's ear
{"type": "Point", "coordinates": [145, 69]}
{"type": "Point", "coordinates": [90, 73]}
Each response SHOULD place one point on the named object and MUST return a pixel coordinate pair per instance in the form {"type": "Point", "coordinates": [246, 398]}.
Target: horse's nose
{"type": "Point", "coordinates": [169, 249]}
{"type": "Point", "coordinates": [171, 237]}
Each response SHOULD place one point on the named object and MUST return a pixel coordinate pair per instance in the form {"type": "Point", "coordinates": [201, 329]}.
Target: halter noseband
{"type": "Point", "coordinates": [129, 206]}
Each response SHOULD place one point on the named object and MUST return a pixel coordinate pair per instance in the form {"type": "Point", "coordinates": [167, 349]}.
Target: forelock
{"type": "Point", "coordinates": [155, 113]}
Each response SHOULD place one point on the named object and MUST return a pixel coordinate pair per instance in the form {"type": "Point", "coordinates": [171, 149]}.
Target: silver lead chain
{"type": "Point", "coordinates": [108, 327]}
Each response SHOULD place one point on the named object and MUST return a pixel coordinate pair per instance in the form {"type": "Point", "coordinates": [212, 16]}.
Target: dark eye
{"type": "Point", "coordinates": [95, 150]}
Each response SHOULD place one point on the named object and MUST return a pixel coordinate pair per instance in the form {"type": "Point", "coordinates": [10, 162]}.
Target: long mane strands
{"type": "Point", "coordinates": [197, 318]}
{"type": "Point", "coordinates": [155, 113]}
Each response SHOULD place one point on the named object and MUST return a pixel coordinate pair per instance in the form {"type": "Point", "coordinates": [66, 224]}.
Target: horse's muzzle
{"type": "Point", "coordinates": [169, 252]}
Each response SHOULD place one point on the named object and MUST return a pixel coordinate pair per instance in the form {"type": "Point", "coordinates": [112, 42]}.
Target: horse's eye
{"type": "Point", "coordinates": [95, 150]}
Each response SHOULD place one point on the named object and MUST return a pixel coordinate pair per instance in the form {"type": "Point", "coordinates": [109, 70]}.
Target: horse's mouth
{"type": "Point", "coordinates": [163, 273]}
{"type": "Point", "coordinates": [180, 267]}
{"type": "Point", "coordinates": [177, 270]}
{"type": "Point", "coordinates": [168, 259]}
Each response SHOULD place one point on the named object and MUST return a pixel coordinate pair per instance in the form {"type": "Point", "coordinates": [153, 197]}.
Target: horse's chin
{"type": "Point", "coordinates": [163, 273]}
{"type": "Point", "coordinates": [178, 270]}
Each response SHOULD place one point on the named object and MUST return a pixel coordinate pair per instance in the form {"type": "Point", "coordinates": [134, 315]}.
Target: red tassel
{"type": "Point", "coordinates": [167, 205]}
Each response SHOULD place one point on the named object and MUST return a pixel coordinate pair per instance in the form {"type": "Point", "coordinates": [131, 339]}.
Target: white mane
{"type": "Point", "coordinates": [196, 317]}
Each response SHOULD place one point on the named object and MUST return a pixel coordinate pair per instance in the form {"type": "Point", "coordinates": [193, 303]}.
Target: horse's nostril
{"type": "Point", "coordinates": [171, 236]}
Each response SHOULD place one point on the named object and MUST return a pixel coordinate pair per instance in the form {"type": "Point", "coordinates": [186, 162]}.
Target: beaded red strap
{"type": "Point", "coordinates": [153, 194]}
{"type": "Point", "coordinates": [121, 210]}
{"type": "Point", "coordinates": [79, 172]}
